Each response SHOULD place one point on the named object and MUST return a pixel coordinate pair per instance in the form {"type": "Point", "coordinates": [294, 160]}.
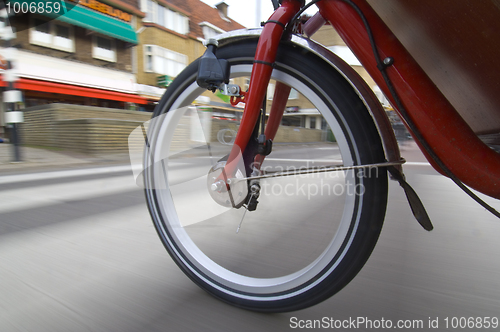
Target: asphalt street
{"type": "Point", "coordinates": [78, 252]}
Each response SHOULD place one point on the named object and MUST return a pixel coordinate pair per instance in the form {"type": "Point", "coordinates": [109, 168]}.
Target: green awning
{"type": "Point", "coordinates": [77, 15]}
{"type": "Point", "coordinates": [91, 20]}
{"type": "Point", "coordinates": [83, 17]}
{"type": "Point", "coordinates": [80, 16]}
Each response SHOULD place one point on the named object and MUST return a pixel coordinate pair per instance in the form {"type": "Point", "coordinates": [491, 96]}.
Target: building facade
{"type": "Point", "coordinates": [83, 57]}
{"type": "Point", "coordinates": [171, 35]}
{"type": "Point", "coordinates": [110, 53]}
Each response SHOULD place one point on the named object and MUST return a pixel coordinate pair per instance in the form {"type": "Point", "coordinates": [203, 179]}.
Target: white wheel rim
{"type": "Point", "coordinates": [214, 274]}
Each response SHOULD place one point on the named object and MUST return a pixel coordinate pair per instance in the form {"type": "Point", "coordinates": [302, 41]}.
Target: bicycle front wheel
{"type": "Point", "coordinates": [311, 233]}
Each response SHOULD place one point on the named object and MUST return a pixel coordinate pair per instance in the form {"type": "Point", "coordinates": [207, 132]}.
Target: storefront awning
{"type": "Point", "coordinates": [66, 89]}
{"type": "Point", "coordinates": [94, 21]}
{"type": "Point", "coordinates": [84, 17]}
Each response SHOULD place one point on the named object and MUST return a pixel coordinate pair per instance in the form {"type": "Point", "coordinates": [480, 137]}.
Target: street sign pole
{"type": "Point", "coordinates": [11, 96]}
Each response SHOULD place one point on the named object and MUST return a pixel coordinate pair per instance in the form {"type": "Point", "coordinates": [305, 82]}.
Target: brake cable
{"type": "Point", "coordinates": [303, 9]}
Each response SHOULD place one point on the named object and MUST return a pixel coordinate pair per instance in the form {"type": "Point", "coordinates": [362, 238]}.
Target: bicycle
{"type": "Point", "coordinates": [276, 229]}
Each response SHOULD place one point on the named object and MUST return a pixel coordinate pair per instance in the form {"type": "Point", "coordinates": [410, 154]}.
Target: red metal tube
{"type": "Point", "coordinates": [313, 24]}
{"type": "Point", "coordinates": [261, 73]}
{"type": "Point", "coordinates": [453, 141]}
{"type": "Point", "coordinates": [280, 98]}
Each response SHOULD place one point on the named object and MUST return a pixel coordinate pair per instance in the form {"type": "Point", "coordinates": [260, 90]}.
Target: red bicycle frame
{"type": "Point", "coordinates": [449, 136]}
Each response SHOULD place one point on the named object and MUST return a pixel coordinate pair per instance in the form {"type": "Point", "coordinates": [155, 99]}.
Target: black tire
{"type": "Point", "coordinates": [360, 220]}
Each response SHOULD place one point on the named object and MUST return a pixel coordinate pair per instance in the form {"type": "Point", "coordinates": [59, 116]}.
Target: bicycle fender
{"type": "Point", "coordinates": [382, 123]}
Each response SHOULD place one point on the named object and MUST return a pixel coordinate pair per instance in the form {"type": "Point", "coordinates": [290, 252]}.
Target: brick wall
{"type": "Point", "coordinates": [95, 136]}
{"type": "Point", "coordinates": [285, 134]}
{"type": "Point", "coordinates": [86, 129]}
{"type": "Point", "coordinates": [96, 130]}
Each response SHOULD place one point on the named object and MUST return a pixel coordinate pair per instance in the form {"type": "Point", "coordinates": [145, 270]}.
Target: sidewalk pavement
{"type": "Point", "coordinates": [43, 159]}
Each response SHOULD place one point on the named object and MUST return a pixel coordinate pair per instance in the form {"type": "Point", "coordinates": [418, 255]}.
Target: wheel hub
{"type": "Point", "coordinates": [224, 191]}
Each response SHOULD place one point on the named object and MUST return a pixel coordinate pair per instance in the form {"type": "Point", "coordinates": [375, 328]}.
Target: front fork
{"type": "Point", "coordinates": [265, 57]}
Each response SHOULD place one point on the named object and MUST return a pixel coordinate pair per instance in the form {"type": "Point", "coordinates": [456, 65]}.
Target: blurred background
{"type": "Point", "coordinates": [78, 251]}
{"type": "Point", "coordinates": [85, 79]}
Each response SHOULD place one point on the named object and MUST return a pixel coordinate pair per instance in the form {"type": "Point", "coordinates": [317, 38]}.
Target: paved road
{"type": "Point", "coordinates": [78, 253]}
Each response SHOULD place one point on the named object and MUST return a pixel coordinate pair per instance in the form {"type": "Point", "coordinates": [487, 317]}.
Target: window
{"type": "Point", "coordinates": [149, 11]}
{"type": "Point", "coordinates": [163, 61]}
{"type": "Point", "coordinates": [161, 15]}
{"type": "Point", "coordinates": [52, 34]}
{"type": "Point", "coordinates": [148, 54]}
{"type": "Point", "coordinates": [104, 49]}
{"type": "Point", "coordinates": [165, 17]}
{"type": "Point", "coordinates": [170, 18]}
{"type": "Point", "coordinates": [312, 122]}
{"type": "Point", "coordinates": [153, 7]}
{"type": "Point", "coordinates": [62, 38]}
{"type": "Point", "coordinates": [41, 33]}
{"type": "Point", "coordinates": [175, 21]}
